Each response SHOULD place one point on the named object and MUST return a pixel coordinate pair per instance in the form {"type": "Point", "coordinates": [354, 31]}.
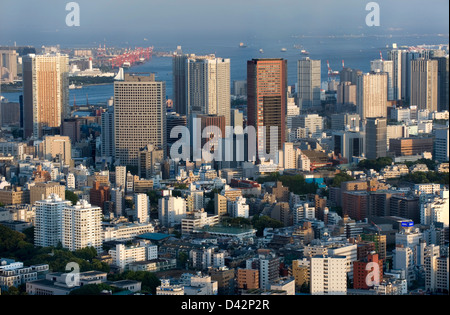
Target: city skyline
{"type": "Point", "coordinates": [249, 149]}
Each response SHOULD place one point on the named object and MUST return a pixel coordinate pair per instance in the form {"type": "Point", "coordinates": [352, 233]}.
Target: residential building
{"type": "Point", "coordinates": [48, 222]}
{"type": "Point", "coordinates": [328, 275]}
{"type": "Point", "coordinates": [82, 226]}
{"type": "Point", "coordinates": [45, 92]}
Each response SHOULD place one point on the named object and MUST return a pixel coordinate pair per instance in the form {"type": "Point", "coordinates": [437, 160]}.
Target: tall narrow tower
{"type": "Point", "coordinates": [267, 100]}
{"type": "Point", "coordinates": [46, 92]}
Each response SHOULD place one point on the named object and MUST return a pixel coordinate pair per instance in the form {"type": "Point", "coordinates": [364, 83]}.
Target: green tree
{"type": "Point", "coordinates": [148, 279]}
{"type": "Point", "coordinates": [94, 289]}
{"type": "Point", "coordinates": [71, 196]}
{"type": "Point", "coordinates": [87, 253]}
{"type": "Point", "coordinates": [262, 222]}
{"type": "Point", "coordinates": [377, 164]}
{"type": "Point", "coordinates": [341, 178]}
{"type": "Point", "coordinates": [182, 259]}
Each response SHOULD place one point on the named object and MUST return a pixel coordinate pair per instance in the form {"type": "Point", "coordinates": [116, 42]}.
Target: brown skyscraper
{"type": "Point", "coordinates": [266, 97]}
{"type": "Point", "coordinates": [45, 92]}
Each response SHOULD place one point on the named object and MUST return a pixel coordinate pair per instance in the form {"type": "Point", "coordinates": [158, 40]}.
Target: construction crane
{"type": "Point", "coordinates": [331, 73]}
{"type": "Point", "coordinates": [378, 228]}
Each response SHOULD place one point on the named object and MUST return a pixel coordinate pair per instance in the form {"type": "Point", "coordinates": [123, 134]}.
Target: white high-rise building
{"type": "Point", "coordinates": [312, 123]}
{"type": "Point", "coordinates": [142, 208]}
{"type": "Point", "coordinates": [289, 158]}
{"type": "Point", "coordinates": [238, 208]}
{"type": "Point", "coordinates": [309, 83]}
{"type": "Point", "coordinates": [328, 275]}
{"type": "Point", "coordinates": [436, 270]}
{"type": "Point", "coordinates": [208, 86]}
{"type": "Point", "coordinates": [303, 211]}
{"type": "Point", "coordinates": [48, 221]}
{"type": "Point", "coordinates": [70, 181]}
{"type": "Point", "coordinates": [122, 256]}
{"type": "Point", "coordinates": [435, 209]}
{"type": "Point", "coordinates": [121, 176]}
{"type": "Point", "coordinates": [304, 163]}
{"type": "Point", "coordinates": [407, 254]}
{"type": "Point", "coordinates": [386, 66]}
{"type": "Point", "coordinates": [292, 111]}
{"type": "Point", "coordinates": [171, 210]}
{"type": "Point", "coordinates": [396, 57]}
{"type": "Point", "coordinates": [82, 226]}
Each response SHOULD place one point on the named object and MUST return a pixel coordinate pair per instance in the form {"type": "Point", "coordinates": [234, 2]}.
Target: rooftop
{"type": "Point", "coordinates": [154, 236]}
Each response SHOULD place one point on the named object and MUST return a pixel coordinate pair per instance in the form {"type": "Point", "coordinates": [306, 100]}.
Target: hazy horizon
{"type": "Point", "coordinates": [177, 21]}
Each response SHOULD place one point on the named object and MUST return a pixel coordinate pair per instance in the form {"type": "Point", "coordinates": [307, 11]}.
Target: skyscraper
{"type": "Point", "coordinates": [385, 66]}
{"type": "Point", "coordinates": [424, 84]}
{"type": "Point", "coordinates": [441, 144]}
{"type": "Point", "coordinates": [139, 116]}
{"type": "Point", "coordinates": [346, 93]}
{"type": "Point", "coordinates": [107, 148]}
{"type": "Point", "coordinates": [142, 207]}
{"type": "Point", "coordinates": [46, 92]}
{"type": "Point", "coordinates": [372, 95]}
{"type": "Point", "coordinates": [309, 83]}
{"type": "Point", "coordinates": [121, 176]}
{"type": "Point", "coordinates": [396, 56]}
{"type": "Point", "coordinates": [443, 82]}
{"type": "Point", "coordinates": [267, 101]}
{"type": "Point", "coordinates": [8, 65]}
{"type": "Point", "coordinates": [208, 86]}
{"type": "Point", "coordinates": [179, 81]}
{"type": "Point", "coordinates": [376, 134]}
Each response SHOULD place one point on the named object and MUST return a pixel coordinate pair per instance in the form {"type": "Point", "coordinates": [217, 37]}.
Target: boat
{"type": "Point", "coordinates": [242, 45]}
{"type": "Point", "coordinates": [283, 49]}
{"type": "Point", "coordinates": [261, 51]}
{"type": "Point", "coordinates": [74, 87]}
{"type": "Point", "coordinates": [126, 65]}
{"type": "Point", "coordinates": [304, 52]}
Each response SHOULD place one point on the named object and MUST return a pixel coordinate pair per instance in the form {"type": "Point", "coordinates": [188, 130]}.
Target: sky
{"type": "Point", "coordinates": [36, 22]}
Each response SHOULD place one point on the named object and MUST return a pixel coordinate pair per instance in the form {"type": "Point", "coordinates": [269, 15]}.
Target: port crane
{"type": "Point", "coordinates": [132, 57]}
{"type": "Point", "coordinates": [331, 73]}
